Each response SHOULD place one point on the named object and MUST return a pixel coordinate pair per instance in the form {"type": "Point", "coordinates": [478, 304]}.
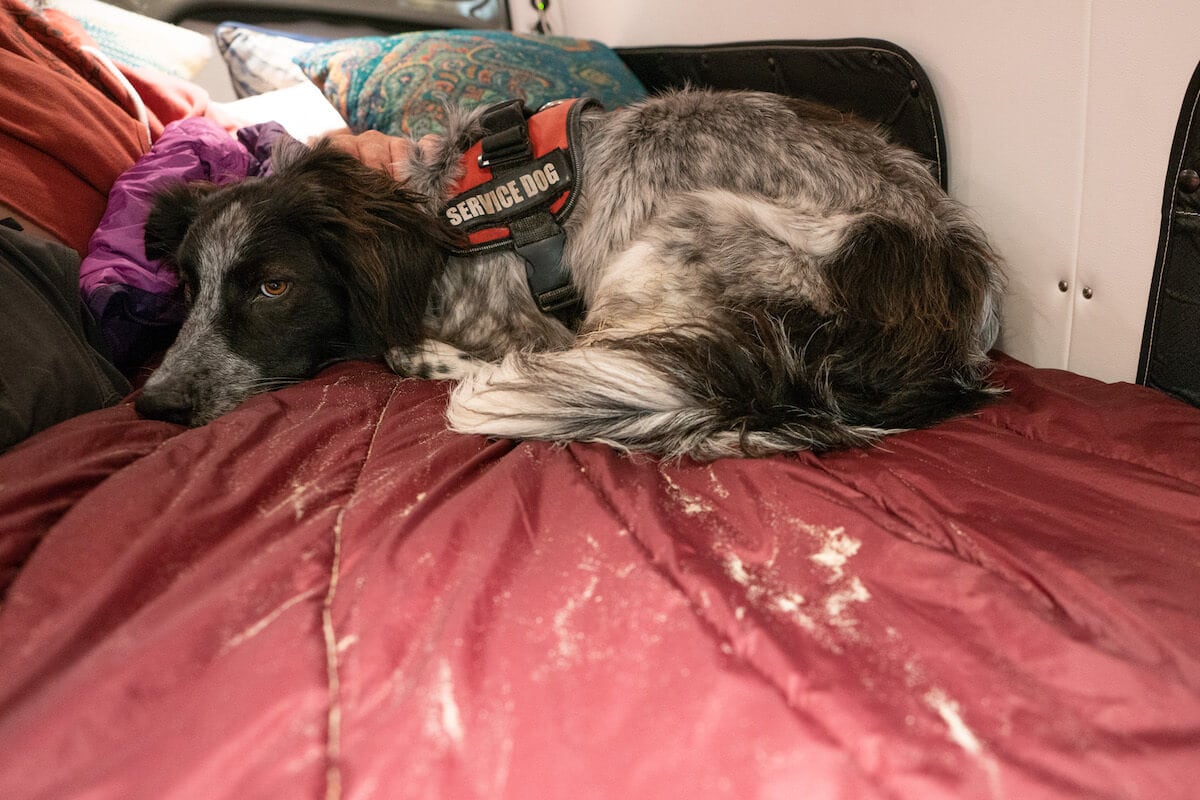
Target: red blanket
{"type": "Point", "coordinates": [325, 593]}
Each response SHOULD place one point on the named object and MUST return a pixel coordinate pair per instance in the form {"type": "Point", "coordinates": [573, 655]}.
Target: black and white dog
{"type": "Point", "coordinates": [759, 274]}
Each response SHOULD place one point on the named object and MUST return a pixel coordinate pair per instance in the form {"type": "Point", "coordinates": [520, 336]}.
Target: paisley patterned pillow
{"type": "Point", "coordinates": [402, 84]}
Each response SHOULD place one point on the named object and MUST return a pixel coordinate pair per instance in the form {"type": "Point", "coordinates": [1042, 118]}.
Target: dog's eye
{"type": "Point", "coordinates": [274, 289]}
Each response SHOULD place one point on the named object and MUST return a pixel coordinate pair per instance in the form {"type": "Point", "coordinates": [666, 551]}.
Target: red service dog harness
{"type": "Point", "coordinates": [521, 183]}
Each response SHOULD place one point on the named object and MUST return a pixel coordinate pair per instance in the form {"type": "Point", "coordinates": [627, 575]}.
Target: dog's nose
{"type": "Point", "coordinates": [166, 404]}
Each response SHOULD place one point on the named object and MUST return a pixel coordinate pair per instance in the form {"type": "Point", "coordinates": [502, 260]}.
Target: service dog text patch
{"type": "Point", "coordinates": [536, 185]}
{"type": "Point", "coordinates": [526, 169]}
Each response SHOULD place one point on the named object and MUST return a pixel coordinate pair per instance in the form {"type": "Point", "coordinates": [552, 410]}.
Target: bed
{"type": "Point", "coordinates": [325, 593]}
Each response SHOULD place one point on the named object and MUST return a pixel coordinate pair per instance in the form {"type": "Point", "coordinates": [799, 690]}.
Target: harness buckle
{"type": "Point", "coordinates": [549, 280]}
{"type": "Point", "coordinates": [506, 135]}
{"type": "Point", "coordinates": [506, 147]}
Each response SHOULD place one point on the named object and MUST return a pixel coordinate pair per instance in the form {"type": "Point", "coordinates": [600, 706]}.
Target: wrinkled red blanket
{"type": "Point", "coordinates": [326, 594]}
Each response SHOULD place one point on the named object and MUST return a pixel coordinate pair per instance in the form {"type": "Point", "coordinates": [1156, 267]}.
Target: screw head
{"type": "Point", "coordinates": [1188, 181]}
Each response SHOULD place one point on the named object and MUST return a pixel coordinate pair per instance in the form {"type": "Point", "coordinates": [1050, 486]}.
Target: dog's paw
{"type": "Point", "coordinates": [430, 359]}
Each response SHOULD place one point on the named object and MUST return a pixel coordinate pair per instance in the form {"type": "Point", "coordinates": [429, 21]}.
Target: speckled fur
{"type": "Point", "coordinates": [760, 274]}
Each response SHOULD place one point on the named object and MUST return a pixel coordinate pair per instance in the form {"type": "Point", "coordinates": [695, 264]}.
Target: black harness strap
{"type": "Point", "coordinates": [505, 136]}
{"type": "Point", "coordinates": [537, 238]}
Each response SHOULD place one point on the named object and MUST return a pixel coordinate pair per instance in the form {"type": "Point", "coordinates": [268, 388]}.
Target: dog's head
{"type": "Point", "coordinates": [324, 260]}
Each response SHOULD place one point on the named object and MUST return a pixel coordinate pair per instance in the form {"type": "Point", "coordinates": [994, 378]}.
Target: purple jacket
{"type": "Point", "coordinates": [133, 298]}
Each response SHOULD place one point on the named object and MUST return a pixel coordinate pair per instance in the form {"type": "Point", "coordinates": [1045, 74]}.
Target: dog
{"type": "Point", "coordinates": [759, 274]}
{"type": "Point", "coordinates": [323, 261]}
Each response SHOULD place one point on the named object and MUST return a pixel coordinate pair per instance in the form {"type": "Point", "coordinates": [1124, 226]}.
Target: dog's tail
{"type": "Point", "coordinates": [905, 347]}
{"type": "Point", "coordinates": [640, 397]}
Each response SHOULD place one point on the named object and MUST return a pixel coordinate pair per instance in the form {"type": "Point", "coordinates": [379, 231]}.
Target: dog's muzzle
{"type": "Point", "coordinates": [199, 379]}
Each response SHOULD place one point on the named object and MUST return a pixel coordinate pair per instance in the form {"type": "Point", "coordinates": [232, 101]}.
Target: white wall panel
{"type": "Point", "coordinates": [1142, 55]}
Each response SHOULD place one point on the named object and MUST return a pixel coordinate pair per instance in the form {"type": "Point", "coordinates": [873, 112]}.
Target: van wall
{"type": "Point", "coordinates": [1059, 116]}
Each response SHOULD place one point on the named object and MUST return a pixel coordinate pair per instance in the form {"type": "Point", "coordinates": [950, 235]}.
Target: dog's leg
{"type": "Point", "coordinates": [431, 359]}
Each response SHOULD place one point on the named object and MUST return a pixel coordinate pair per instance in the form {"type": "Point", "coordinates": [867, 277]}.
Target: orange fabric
{"type": "Point", "coordinates": [64, 134]}
{"type": "Point", "coordinates": [69, 127]}
{"type": "Point", "coordinates": [165, 97]}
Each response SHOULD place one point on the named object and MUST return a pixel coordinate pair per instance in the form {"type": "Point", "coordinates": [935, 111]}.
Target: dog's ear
{"type": "Point", "coordinates": [397, 266]}
{"type": "Point", "coordinates": [286, 153]}
{"type": "Point", "coordinates": [171, 214]}
{"type": "Point", "coordinates": [387, 245]}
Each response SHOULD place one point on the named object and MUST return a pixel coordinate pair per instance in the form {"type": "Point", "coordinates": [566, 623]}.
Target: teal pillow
{"type": "Point", "coordinates": [402, 84]}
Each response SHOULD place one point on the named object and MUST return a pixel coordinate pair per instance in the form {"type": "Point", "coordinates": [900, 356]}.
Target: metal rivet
{"type": "Point", "coordinates": [1063, 286]}
{"type": "Point", "coordinates": [1188, 181]}
{"type": "Point", "coordinates": [1087, 293]}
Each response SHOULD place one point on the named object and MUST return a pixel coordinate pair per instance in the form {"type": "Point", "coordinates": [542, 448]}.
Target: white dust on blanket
{"type": "Point", "coordinates": [444, 721]}
{"type": "Point", "coordinates": [573, 640]}
{"type": "Point", "coordinates": [263, 623]}
{"type": "Point", "coordinates": [951, 713]}
{"type": "Point", "coordinates": [836, 551]}
{"type": "Point", "coordinates": [827, 609]}
{"type": "Point", "coordinates": [960, 734]}
{"type": "Point", "coordinates": [736, 569]}
{"type": "Point", "coordinates": [719, 490]}
{"type": "Point", "coordinates": [838, 603]}
{"type": "Point", "coordinates": [828, 614]}
{"type": "Point", "coordinates": [578, 632]}
{"type": "Point", "coordinates": [688, 503]}
{"type": "Point", "coordinates": [569, 640]}
{"type": "Point", "coordinates": [324, 399]}
{"type": "Point", "coordinates": [297, 499]}
{"type": "Point", "coordinates": [836, 548]}
{"type": "Point", "coordinates": [320, 406]}
{"type": "Point", "coordinates": [408, 509]}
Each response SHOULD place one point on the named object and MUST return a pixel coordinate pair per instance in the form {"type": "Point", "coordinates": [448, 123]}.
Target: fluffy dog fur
{"type": "Point", "coordinates": [760, 274]}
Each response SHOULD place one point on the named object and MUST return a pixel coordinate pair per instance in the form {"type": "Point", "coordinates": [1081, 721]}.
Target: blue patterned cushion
{"type": "Point", "coordinates": [402, 84]}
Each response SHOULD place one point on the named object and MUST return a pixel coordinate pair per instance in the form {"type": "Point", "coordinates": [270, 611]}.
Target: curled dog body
{"type": "Point", "coordinates": [759, 275]}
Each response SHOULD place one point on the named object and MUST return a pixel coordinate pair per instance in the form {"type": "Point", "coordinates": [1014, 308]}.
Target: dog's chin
{"type": "Point", "coordinates": [231, 397]}
{"type": "Point", "coordinates": [207, 408]}
{"type": "Point", "coordinates": [215, 409]}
